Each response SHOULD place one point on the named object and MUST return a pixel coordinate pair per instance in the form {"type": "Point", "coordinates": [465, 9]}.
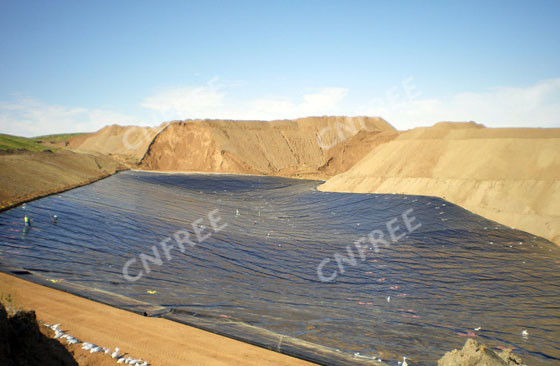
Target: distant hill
{"type": "Point", "coordinates": [308, 147]}
{"type": "Point", "coordinates": [301, 147]}
{"type": "Point", "coordinates": [128, 141]}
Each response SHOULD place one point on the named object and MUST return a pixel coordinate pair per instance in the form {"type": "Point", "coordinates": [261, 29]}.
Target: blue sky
{"type": "Point", "coordinates": [70, 66]}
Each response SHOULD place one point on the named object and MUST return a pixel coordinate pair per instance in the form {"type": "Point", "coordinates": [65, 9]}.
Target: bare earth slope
{"type": "Point", "coordinates": [128, 141]}
{"type": "Point", "coordinates": [350, 151]}
{"type": "Point", "coordinates": [508, 175]}
{"type": "Point", "coordinates": [160, 341]}
{"type": "Point", "coordinates": [27, 175]}
{"type": "Point", "coordinates": [289, 148]}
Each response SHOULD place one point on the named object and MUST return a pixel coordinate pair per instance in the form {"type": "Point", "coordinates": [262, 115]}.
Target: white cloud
{"type": "Point", "coordinates": [534, 106]}
{"type": "Point", "coordinates": [211, 101]}
{"type": "Point", "coordinates": [29, 117]}
{"type": "Point", "coordinates": [321, 102]}
{"type": "Point", "coordinates": [195, 102]}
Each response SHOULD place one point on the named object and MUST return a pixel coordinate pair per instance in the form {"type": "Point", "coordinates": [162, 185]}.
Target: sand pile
{"type": "Point", "coordinates": [348, 152]}
{"type": "Point", "coordinates": [315, 146]}
{"type": "Point", "coordinates": [128, 141]}
{"type": "Point", "coordinates": [474, 354]}
{"type": "Point", "coordinates": [508, 175]}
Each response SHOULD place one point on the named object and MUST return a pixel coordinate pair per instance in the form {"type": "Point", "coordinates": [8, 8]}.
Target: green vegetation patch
{"type": "Point", "coordinates": [56, 138]}
{"type": "Point", "coordinates": [9, 142]}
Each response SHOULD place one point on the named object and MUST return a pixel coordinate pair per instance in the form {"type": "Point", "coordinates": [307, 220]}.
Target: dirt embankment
{"type": "Point", "coordinates": [308, 147]}
{"type": "Point", "coordinates": [158, 340]}
{"type": "Point", "coordinates": [129, 142]}
{"type": "Point", "coordinates": [508, 175]}
{"type": "Point", "coordinates": [27, 175]}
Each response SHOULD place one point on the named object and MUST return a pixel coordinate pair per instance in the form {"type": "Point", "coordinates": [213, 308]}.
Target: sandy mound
{"type": "Point", "coordinates": [128, 141]}
{"type": "Point", "coordinates": [315, 146]}
{"type": "Point", "coordinates": [474, 354]}
{"type": "Point", "coordinates": [508, 175]}
{"type": "Point", "coordinates": [26, 175]}
{"type": "Point", "coordinates": [347, 153]}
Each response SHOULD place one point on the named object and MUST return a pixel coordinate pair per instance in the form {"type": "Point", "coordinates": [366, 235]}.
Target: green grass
{"type": "Point", "coordinates": [6, 298]}
{"type": "Point", "coordinates": [9, 301]}
{"type": "Point", "coordinates": [56, 138]}
{"type": "Point", "coordinates": [9, 142]}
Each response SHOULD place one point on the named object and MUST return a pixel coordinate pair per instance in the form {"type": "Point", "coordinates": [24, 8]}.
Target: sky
{"type": "Point", "coordinates": [70, 66]}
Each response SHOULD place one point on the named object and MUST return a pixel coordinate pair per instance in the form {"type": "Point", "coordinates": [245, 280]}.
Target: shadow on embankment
{"type": "Point", "coordinates": [23, 344]}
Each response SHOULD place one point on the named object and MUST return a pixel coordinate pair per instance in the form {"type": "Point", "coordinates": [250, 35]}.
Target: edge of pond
{"type": "Point", "coordinates": [239, 331]}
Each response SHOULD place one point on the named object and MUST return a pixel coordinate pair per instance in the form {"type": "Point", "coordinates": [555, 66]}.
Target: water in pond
{"type": "Point", "coordinates": [454, 273]}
